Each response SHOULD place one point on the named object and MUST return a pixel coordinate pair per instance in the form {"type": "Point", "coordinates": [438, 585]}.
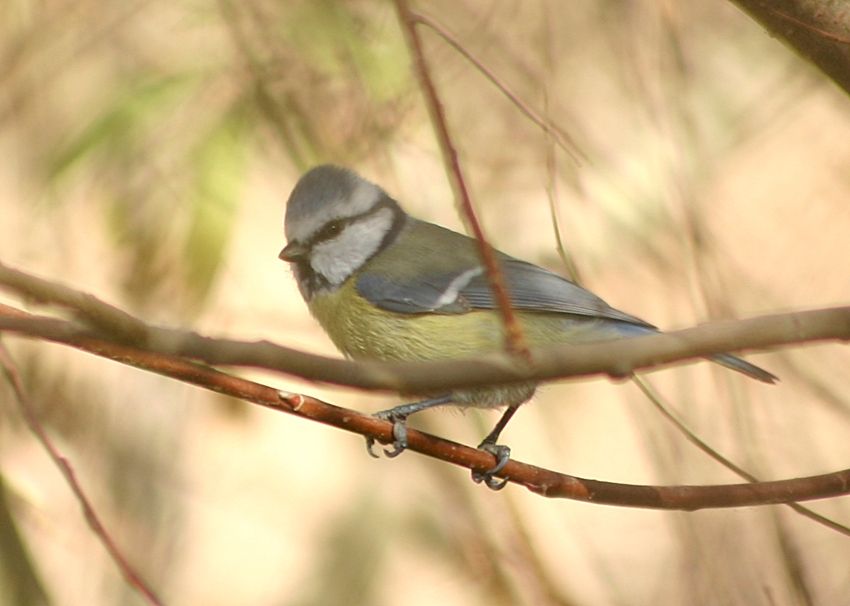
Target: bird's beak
{"type": "Point", "coordinates": [293, 252]}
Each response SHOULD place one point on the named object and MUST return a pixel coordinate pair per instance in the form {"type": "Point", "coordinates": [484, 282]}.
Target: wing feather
{"type": "Point", "coordinates": [466, 288]}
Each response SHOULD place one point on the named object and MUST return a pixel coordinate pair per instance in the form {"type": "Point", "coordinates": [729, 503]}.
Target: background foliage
{"type": "Point", "coordinates": [149, 148]}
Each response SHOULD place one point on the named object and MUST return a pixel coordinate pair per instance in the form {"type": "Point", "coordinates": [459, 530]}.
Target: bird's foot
{"type": "Point", "coordinates": [503, 455]}
{"type": "Point", "coordinates": [399, 445]}
{"type": "Point", "coordinates": [398, 415]}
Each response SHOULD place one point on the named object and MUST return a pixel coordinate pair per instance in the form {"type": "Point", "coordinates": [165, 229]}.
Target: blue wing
{"type": "Point", "coordinates": [466, 288]}
{"type": "Point", "coordinates": [408, 284]}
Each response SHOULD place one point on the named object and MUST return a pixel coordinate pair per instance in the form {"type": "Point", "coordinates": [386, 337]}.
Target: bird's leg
{"type": "Point", "coordinates": [398, 415]}
{"type": "Point", "coordinates": [501, 452]}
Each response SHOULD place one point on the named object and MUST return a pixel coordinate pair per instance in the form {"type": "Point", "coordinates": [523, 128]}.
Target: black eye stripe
{"type": "Point", "coordinates": [332, 229]}
{"type": "Point", "coordinates": [313, 282]}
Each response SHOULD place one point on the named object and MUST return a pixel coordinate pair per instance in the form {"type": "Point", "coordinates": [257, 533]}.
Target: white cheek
{"type": "Point", "coordinates": [337, 259]}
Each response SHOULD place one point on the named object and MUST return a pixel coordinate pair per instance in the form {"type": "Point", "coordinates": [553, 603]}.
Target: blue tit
{"type": "Point", "coordinates": [387, 286]}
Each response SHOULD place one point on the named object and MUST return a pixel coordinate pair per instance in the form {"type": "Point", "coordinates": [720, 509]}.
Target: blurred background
{"type": "Point", "coordinates": [148, 149]}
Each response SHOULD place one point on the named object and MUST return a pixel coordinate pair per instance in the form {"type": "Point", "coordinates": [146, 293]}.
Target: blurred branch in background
{"type": "Point", "coordinates": [558, 135]}
{"type": "Point", "coordinates": [817, 29]}
{"type": "Point", "coordinates": [131, 576]}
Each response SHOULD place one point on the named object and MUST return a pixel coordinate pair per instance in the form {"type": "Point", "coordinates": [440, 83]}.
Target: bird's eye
{"type": "Point", "coordinates": [331, 229]}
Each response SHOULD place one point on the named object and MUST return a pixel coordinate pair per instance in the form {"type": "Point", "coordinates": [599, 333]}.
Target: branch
{"type": "Point", "coordinates": [541, 481]}
{"type": "Point", "coordinates": [558, 135]}
{"type": "Point", "coordinates": [514, 340]}
{"type": "Point", "coordinates": [700, 444]}
{"type": "Point", "coordinates": [817, 29]}
{"type": "Point", "coordinates": [617, 359]}
{"type": "Point", "coordinates": [131, 576]}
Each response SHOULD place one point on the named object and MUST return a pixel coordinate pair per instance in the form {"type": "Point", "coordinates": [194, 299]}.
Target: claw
{"type": "Point", "coordinates": [398, 416]}
{"type": "Point", "coordinates": [399, 435]}
{"type": "Point", "coordinates": [491, 482]}
{"type": "Point", "coordinates": [396, 450]}
{"type": "Point", "coordinates": [399, 444]}
{"type": "Point", "coordinates": [370, 442]}
{"type": "Point", "coordinates": [502, 455]}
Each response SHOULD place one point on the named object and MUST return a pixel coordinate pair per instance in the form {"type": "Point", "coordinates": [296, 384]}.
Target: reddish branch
{"type": "Point", "coordinates": [514, 339]}
{"type": "Point", "coordinates": [691, 437]}
{"type": "Point", "coordinates": [542, 481]}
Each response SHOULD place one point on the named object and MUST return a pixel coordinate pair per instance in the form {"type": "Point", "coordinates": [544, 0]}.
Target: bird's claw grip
{"type": "Point", "coordinates": [399, 444]}
{"type": "Point", "coordinates": [503, 455]}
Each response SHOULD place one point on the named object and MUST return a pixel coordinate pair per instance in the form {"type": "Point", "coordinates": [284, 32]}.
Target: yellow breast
{"type": "Point", "coordinates": [361, 330]}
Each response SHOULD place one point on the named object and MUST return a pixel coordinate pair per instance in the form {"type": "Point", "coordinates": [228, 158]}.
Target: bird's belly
{"type": "Point", "coordinates": [361, 331]}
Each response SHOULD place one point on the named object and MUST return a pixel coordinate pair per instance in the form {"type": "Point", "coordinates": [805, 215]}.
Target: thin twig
{"type": "Point", "coordinates": [561, 138]}
{"type": "Point", "coordinates": [617, 358]}
{"type": "Point", "coordinates": [552, 196]}
{"type": "Point", "coordinates": [92, 310]}
{"type": "Point", "coordinates": [274, 109]}
{"type": "Point", "coordinates": [541, 481]}
{"type": "Point", "coordinates": [514, 339]}
{"type": "Point", "coordinates": [689, 435]}
{"type": "Point", "coordinates": [131, 576]}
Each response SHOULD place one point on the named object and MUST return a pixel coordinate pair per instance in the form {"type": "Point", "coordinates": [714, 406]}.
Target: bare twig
{"type": "Point", "coordinates": [274, 109]}
{"type": "Point", "coordinates": [618, 359]}
{"type": "Point", "coordinates": [561, 138]}
{"type": "Point", "coordinates": [131, 576]}
{"type": "Point", "coordinates": [552, 196]}
{"type": "Point", "coordinates": [514, 339]}
{"type": "Point", "coordinates": [542, 481]}
{"type": "Point", "coordinates": [725, 462]}
{"type": "Point", "coordinates": [818, 30]}
{"type": "Point", "coordinates": [89, 308]}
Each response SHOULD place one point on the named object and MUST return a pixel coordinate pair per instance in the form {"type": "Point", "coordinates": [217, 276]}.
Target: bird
{"type": "Point", "coordinates": [387, 286]}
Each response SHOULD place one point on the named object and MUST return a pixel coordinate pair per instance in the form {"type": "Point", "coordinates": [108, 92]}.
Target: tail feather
{"type": "Point", "coordinates": [727, 360]}
{"type": "Point", "coordinates": [742, 366]}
